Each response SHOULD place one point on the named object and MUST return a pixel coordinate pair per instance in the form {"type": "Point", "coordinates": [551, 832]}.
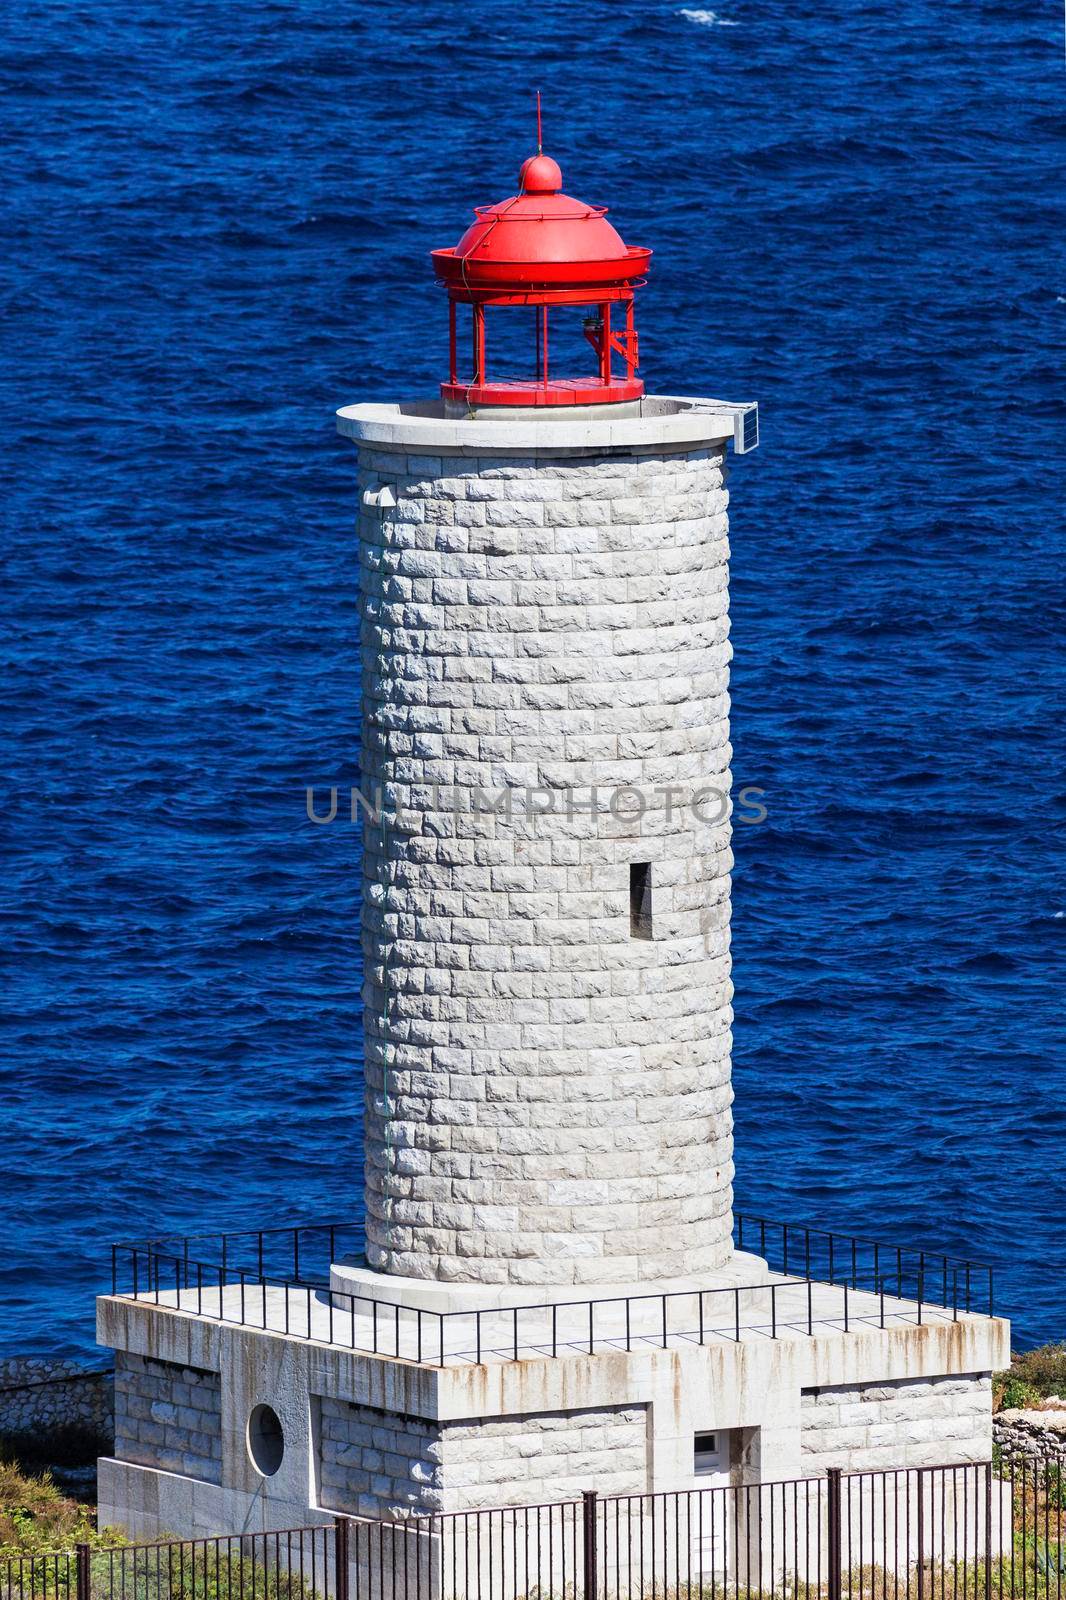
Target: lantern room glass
{"type": "Point", "coordinates": [608, 326]}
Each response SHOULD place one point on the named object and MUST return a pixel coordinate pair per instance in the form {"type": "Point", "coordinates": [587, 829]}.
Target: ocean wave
{"type": "Point", "coordinates": [707, 19]}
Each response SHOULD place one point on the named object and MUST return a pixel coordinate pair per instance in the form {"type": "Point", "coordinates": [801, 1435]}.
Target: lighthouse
{"type": "Point", "coordinates": [552, 1293]}
{"type": "Point", "coordinates": [545, 654]}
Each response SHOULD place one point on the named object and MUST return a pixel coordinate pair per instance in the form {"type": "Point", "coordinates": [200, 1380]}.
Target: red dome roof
{"type": "Point", "coordinates": [538, 239]}
{"type": "Point", "coordinates": [545, 251]}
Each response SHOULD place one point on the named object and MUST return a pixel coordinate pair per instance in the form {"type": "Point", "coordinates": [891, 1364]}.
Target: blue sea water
{"type": "Point", "coordinates": [217, 218]}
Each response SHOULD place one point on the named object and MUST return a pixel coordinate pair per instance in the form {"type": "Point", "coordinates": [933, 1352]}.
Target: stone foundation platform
{"type": "Point", "coordinates": [384, 1437]}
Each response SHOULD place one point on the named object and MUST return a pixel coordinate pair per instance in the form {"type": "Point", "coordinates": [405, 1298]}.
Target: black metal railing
{"type": "Point", "coordinates": [975, 1531]}
{"type": "Point", "coordinates": [300, 1254]}
{"type": "Point", "coordinates": [278, 1280]}
{"type": "Point", "coordinates": [821, 1255]}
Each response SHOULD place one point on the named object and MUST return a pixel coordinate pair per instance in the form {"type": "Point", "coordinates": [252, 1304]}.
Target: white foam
{"type": "Point", "coordinates": [707, 19]}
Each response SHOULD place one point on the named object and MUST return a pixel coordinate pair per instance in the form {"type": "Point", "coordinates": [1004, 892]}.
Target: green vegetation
{"type": "Point", "coordinates": [1055, 1486]}
{"type": "Point", "coordinates": [1030, 1378]}
{"type": "Point", "coordinates": [190, 1571]}
{"type": "Point", "coordinates": [35, 1517]}
{"type": "Point", "coordinates": [40, 1527]}
{"type": "Point", "coordinates": [1013, 1394]}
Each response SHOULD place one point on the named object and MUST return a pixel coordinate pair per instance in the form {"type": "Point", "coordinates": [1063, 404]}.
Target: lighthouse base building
{"type": "Point", "coordinates": [553, 1294]}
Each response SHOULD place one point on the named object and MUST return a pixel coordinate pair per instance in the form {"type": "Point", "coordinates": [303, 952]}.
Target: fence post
{"type": "Point", "coordinates": [588, 1512]}
{"type": "Point", "coordinates": [340, 1557]}
{"type": "Point", "coordinates": [835, 1554]}
{"type": "Point", "coordinates": [921, 1535]}
{"type": "Point", "coordinates": [988, 1531]}
{"type": "Point", "coordinates": [84, 1576]}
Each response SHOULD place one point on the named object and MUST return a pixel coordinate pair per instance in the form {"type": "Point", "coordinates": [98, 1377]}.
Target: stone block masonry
{"type": "Point", "coordinates": [458, 1437]}
{"type": "Point", "coordinates": [548, 1096]}
{"type": "Point", "coordinates": [547, 1457]}
{"type": "Point", "coordinates": [544, 606]}
{"type": "Point", "coordinates": [168, 1416]}
{"type": "Point", "coordinates": [921, 1423]}
{"type": "Point", "coordinates": [377, 1464]}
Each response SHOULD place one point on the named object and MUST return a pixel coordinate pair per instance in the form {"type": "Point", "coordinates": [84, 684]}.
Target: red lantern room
{"type": "Point", "coordinates": [544, 249]}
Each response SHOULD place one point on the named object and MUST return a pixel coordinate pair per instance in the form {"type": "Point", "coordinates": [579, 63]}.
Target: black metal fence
{"type": "Point", "coordinates": [970, 1532]}
{"type": "Point", "coordinates": [292, 1564]}
{"type": "Point", "coordinates": [51, 1575]}
{"type": "Point", "coordinates": [279, 1280]}
{"type": "Point", "coordinates": [942, 1533]}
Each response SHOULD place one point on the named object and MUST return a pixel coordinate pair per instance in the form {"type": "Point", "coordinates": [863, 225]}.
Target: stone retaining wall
{"type": "Point", "coordinates": [1039, 1435]}
{"type": "Point", "coordinates": [41, 1395]}
{"type": "Point", "coordinates": [168, 1416]}
{"type": "Point", "coordinates": [924, 1423]}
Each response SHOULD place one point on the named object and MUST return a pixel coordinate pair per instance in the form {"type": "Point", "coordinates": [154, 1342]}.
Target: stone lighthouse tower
{"type": "Point", "coordinates": [548, 1299]}
{"type": "Point", "coordinates": [545, 660]}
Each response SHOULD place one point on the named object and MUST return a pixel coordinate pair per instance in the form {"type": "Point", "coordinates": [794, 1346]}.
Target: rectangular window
{"type": "Point", "coordinates": [640, 899]}
{"type": "Point", "coordinates": [707, 1453]}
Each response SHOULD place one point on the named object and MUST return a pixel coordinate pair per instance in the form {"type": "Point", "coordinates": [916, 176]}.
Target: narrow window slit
{"type": "Point", "coordinates": [640, 899]}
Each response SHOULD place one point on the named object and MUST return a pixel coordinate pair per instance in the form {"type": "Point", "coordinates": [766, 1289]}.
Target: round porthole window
{"type": "Point", "coordinates": [266, 1442]}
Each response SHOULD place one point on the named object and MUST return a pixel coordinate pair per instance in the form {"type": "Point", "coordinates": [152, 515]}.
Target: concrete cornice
{"type": "Point", "coordinates": [656, 422]}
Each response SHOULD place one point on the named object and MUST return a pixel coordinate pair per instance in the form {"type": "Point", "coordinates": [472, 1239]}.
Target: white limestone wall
{"type": "Point", "coordinates": [760, 1390]}
{"type": "Point", "coordinates": [899, 1515]}
{"type": "Point", "coordinates": [547, 1096]}
{"type": "Point", "coordinates": [550, 1456]}
{"type": "Point", "coordinates": [915, 1422]}
{"type": "Point", "coordinates": [379, 1464]}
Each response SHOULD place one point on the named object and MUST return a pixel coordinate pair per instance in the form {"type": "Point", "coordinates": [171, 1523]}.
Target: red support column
{"type": "Point", "coordinates": [543, 344]}
{"type": "Point", "coordinates": [631, 340]}
{"type": "Point", "coordinates": [452, 357]}
{"type": "Point", "coordinates": [479, 344]}
{"type": "Point", "coordinates": [605, 348]}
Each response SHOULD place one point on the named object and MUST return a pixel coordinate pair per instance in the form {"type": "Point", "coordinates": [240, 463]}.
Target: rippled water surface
{"type": "Point", "coordinates": [217, 219]}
